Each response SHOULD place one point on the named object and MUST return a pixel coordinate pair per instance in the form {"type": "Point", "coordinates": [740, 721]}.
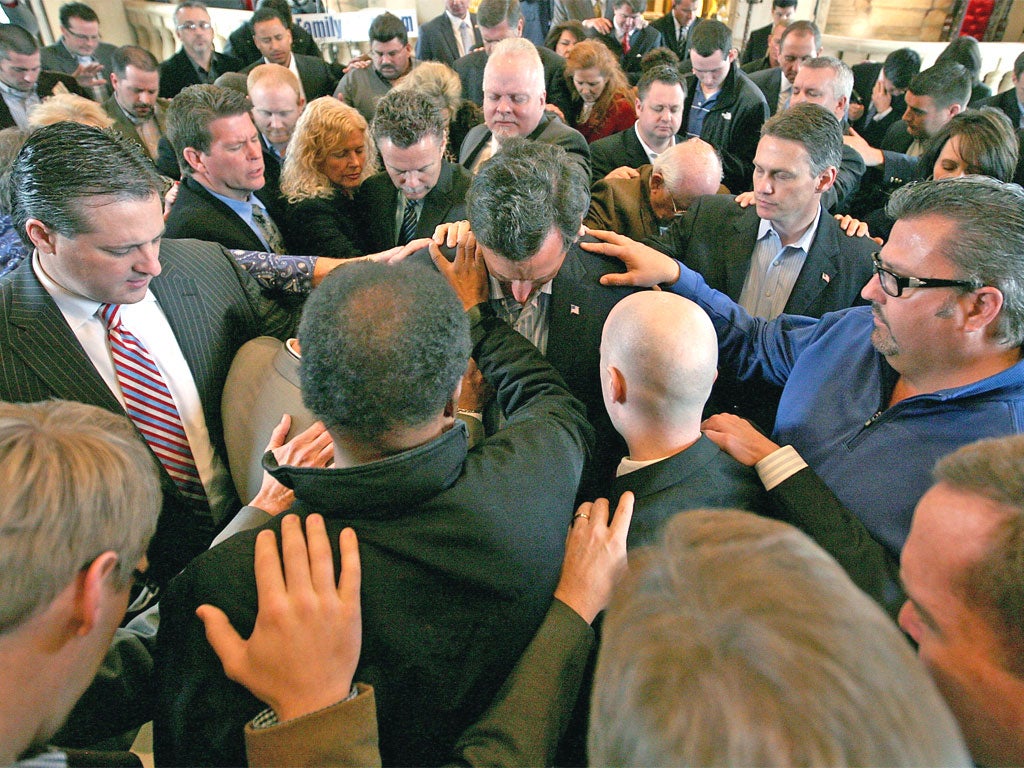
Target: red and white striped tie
{"type": "Point", "coordinates": [150, 406]}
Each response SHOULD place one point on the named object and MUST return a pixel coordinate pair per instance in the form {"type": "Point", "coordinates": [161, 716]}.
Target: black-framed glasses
{"type": "Point", "coordinates": [144, 591]}
{"type": "Point", "coordinates": [83, 38]}
{"type": "Point", "coordinates": [192, 26]}
{"type": "Point", "coordinates": [894, 284]}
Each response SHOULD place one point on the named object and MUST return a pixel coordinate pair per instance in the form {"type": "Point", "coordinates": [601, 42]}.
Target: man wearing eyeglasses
{"type": "Point", "coordinates": [872, 397]}
{"type": "Point", "coordinates": [196, 62]}
{"type": "Point", "coordinates": [80, 52]}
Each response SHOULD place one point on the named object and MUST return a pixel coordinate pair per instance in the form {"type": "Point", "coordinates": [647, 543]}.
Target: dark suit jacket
{"type": "Point", "coordinates": [624, 206]}
{"type": "Point", "coordinates": [213, 307]}
{"type": "Point", "coordinates": [768, 80]}
{"type": "Point", "coordinates": [1007, 102]}
{"type": "Point", "coordinates": [317, 78]}
{"type": "Point", "coordinates": [437, 41]}
{"type": "Point", "coordinates": [471, 71]}
{"type": "Point", "coordinates": [378, 200]}
{"type": "Point", "coordinates": [177, 72]}
{"type": "Point", "coordinates": [640, 42]}
{"type": "Point", "coordinates": [611, 152]}
{"type": "Point", "coordinates": [700, 477]}
{"type": "Point", "coordinates": [45, 86]}
{"type": "Point", "coordinates": [667, 26]}
{"type": "Point", "coordinates": [757, 44]}
{"type": "Point", "coordinates": [127, 128]}
{"type": "Point", "coordinates": [241, 46]}
{"type": "Point", "coordinates": [57, 58]}
{"type": "Point", "coordinates": [550, 130]}
{"type": "Point", "coordinates": [198, 214]}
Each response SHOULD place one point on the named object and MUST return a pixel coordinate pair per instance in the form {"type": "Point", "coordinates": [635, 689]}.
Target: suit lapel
{"type": "Point", "coordinates": [568, 313]}
{"type": "Point", "coordinates": [741, 249]}
{"type": "Point", "coordinates": [449, 38]}
{"type": "Point", "coordinates": [819, 267]}
{"type": "Point", "coordinates": [437, 202]}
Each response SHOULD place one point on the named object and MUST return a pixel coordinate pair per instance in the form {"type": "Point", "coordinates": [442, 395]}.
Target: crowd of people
{"type": "Point", "coordinates": [595, 403]}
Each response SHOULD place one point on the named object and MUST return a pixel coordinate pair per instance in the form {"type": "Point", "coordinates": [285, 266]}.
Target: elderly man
{"type": "Point", "coordinates": [137, 111]}
{"type": "Point", "coordinates": [196, 63]}
{"type": "Point", "coordinates": [659, 114]}
{"type": "Point", "coordinates": [961, 568]}
{"type": "Point", "coordinates": [418, 188]}
{"type": "Point", "coordinates": [273, 37]}
{"type": "Point", "coordinates": [80, 53]}
{"type": "Point", "coordinates": [643, 207]}
{"type": "Point", "coordinates": [514, 100]}
{"type": "Point", "coordinates": [391, 58]}
{"type": "Point", "coordinates": [499, 20]}
{"type": "Point", "coordinates": [942, 338]}
{"type": "Point", "coordinates": [22, 82]}
{"type": "Point", "coordinates": [800, 42]}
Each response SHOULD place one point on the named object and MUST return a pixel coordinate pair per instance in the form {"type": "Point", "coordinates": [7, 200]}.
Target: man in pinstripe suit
{"type": "Point", "coordinates": [89, 205]}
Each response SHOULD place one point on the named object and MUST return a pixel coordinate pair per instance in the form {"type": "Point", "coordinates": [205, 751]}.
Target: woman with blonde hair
{"type": "Point", "coordinates": [602, 101]}
{"type": "Point", "coordinates": [329, 155]}
{"type": "Point", "coordinates": [70, 108]}
{"type": "Point", "coordinates": [440, 83]}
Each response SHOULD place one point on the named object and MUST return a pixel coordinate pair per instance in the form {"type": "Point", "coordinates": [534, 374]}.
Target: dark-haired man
{"type": "Point", "coordinates": [80, 51]}
{"type": "Point", "coordinates": [800, 42]}
{"type": "Point", "coordinates": [23, 83]}
{"type": "Point", "coordinates": [273, 37]}
{"type": "Point", "coordinates": [240, 44]}
{"type": "Point", "coordinates": [882, 88]}
{"type": "Point", "coordinates": [391, 58]}
{"type": "Point", "coordinates": [757, 43]}
{"type": "Point", "coordinates": [196, 62]}
{"type": "Point", "coordinates": [137, 111]}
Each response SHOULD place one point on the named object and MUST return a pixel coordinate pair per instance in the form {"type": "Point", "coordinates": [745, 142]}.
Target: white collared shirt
{"type": "Point", "coordinates": [651, 154]}
{"type": "Point", "coordinates": [457, 23]}
{"type": "Point", "coordinates": [147, 322]}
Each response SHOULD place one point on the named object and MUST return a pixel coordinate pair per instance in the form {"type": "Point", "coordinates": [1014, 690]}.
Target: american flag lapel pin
{"type": "Point", "coordinates": [574, 309]}
{"type": "Point", "coordinates": [826, 277]}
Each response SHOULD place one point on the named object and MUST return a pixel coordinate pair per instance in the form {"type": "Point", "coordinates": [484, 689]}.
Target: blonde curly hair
{"type": "Point", "coordinates": [324, 124]}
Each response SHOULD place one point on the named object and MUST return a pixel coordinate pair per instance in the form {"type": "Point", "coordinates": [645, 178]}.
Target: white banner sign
{"type": "Point", "coordinates": [352, 26]}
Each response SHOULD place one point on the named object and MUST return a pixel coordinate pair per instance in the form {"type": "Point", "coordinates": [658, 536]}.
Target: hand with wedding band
{"type": "Point", "coordinates": [595, 556]}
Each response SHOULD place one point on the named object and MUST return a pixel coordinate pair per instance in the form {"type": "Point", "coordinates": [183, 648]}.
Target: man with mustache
{"type": "Point", "coordinates": [872, 397]}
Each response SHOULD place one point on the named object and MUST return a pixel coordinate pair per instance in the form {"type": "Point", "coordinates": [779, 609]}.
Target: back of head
{"type": "Point", "coordinates": [523, 192]}
{"type": "Point", "coordinates": [901, 65]}
{"type": "Point", "coordinates": [406, 117]}
{"type": "Point", "coordinates": [63, 164]}
{"type": "Point", "coordinates": [1018, 65]}
{"type": "Point", "coordinates": [78, 481]}
{"type": "Point", "coordinates": [383, 348]}
{"type": "Point", "coordinates": [710, 35]}
{"type": "Point", "coordinates": [81, 11]}
{"type": "Point", "coordinates": [994, 469]}
{"type": "Point", "coordinates": [15, 39]}
{"type": "Point", "coordinates": [989, 249]}
{"type": "Point", "coordinates": [667, 351]}
{"type": "Point", "coordinates": [988, 143]}
{"type": "Point", "coordinates": [738, 641]}
{"type": "Point", "coordinates": [68, 107]}
{"type": "Point", "coordinates": [964, 51]}
{"type": "Point", "coordinates": [133, 55]}
{"type": "Point", "coordinates": [667, 75]}
{"type": "Point", "coordinates": [802, 27]}
{"type": "Point", "coordinates": [387, 27]}
{"type": "Point", "coordinates": [946, 84]}
{"type": "Point", "coordinates": [657, 58]}
{"type": "Point", "coordinates": [272, 76]}
{"type": "Point", "coordinates": [692, 166]}
{"type": "Point", "coordinates": [491, 13]}
{"type": "Point", "coordinates": [435, 80]}
{"type": "Point", "coordinates": [323, 123]}
{"type": "Point", "coordinates": [191, 113]}
{"type": "Point", "coordinates": [815, 128]}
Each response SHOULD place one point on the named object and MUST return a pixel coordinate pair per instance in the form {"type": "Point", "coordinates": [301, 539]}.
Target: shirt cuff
{"type": "Point", "coordinates": [779, 465]}
{"type": "Point", "coordinates": [268, 718]}
{"type": "Point", "coordinates": [881, 115]}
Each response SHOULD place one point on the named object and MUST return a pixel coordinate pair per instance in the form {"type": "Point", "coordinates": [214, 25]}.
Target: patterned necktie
{"type": "Point", "coordinates": [266, 225]}
{"type": "Point", "coordinates": [150, 406]}
{"type": "Point", "coordinates": [409, 221]}
{"type": "Point", "coordinates": [467, 38]}
{"type": "Point", "coordinates": [625, 43]}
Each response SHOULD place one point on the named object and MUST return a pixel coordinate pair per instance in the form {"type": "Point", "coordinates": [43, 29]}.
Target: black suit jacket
{"type": "Point", "coordinates": [770, 83]}
{"type": "Point", "coordinates": [317, 77]}
{"type": "Point", "coordinates": [611, 152]}
{"type": "Point", "coordinates": [57, 58]}
{"type": "Point", "coordinates": [640, 42]}
{"type": "Point", "coordinates": [198, 214]}
{"type": "Point", "coordinates": [177, 72]}
{"type": "Point", "coordinates": [213, 308]}
{"type": "Point", "coordinates": [241, 46]}
{"type": "Point", "coordinates": [757, 44]}
{"type": "Point", "coordinates": [1007, 102]}
{"type": "Point", "coordinates": [700, 477]}
{"type": "Point", "coordinates": [667, 26]}
{"type": "Point", "coordinates": [550, 130]}
{"type": "Point", "coordinates": [471, 71]}
{"type": "Point", "coordinates": [45, 86]}
{"type": "Point", "coordinates": [437, 41]}
{"type": "Point", "coordinates": [378, 200]}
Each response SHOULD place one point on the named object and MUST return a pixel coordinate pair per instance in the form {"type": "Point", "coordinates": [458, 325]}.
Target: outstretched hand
{"type": "Point", "coordinates": [302, 653]}
{"type": "Point", "coordinates": [313, 447]}
{"type": "Point", "coordinates": [467, 274]}
{"type": "Point", "coordinates": [645, 266]}
{"type": "Point", "coordinates": [738, 437]}
{"type": "Point", "coordinates": [595, 556]}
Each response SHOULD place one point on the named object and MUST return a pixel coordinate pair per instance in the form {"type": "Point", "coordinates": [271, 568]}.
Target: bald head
{"type": "Point", "coordinates": [659, 358]}
{"type": "Point", "coordinates": [683, 173]}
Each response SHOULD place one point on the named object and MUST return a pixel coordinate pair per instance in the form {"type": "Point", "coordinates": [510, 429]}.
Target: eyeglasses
{"type": "Point", "coordinates": [894, 284]}
{"type": "Point", "coordinates": [144, 591]}
{"type": "Point", "coordinates": [192, 26]}
{"type": "Point", "coordinates": [83, 38]}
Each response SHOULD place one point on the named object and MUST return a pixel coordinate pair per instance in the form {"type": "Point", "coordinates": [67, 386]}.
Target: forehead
{"type": "Point", "coordinates": [192, 14]}
{"type": "Point", "coordinates": [274, 94]}
{"type": "Point", "coordinates": [346, 141]}
{"type": "Point", "coordinates": [510, 74]}
{"type": "Point", "coordinates": [543, 265]}
{"type": "Point", "coordinates": [920, 103]}
{"type": "Point", "coordinates": [798, 43]}
{"type": "Point", "coordinates": [425, 151]}
{"type": "Point", "coordinates": [23, 60]}
{"type": "Point", "coordinates": [497, 32]}
{"type": "Point", "coordinates": [390, 46]}
{"type": "Point", "coordinates": [663, 93]}
{"type": "Point", "coordinates": [716, 59]}
{"type": "Point", "coordinates": [774, 153]}
{"type": "Point", "coordinates": [269, 27]}
{"type": "Point", "coordinates": [109, 221]}
{"type": "Point", "coordinates": [232, 129]}
{"type": "Point", "coordinates": [75, 22]}
{"type": "Point", "coordinates": [916, 246]}
{"type": "Point", "coordinates": [138, 78]}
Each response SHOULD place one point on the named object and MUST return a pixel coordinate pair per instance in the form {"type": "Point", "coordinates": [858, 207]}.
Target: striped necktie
{"type": "Point", "coordinates": [150, 406]}
{"type": "Point", "coordinates": [409, 221]}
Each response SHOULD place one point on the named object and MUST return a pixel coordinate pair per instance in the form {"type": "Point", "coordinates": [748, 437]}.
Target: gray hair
{"type": "Point", "coordinates": [813, 126]}
{"type": "Point", "coordinates": [989, 246]}
{"type": "Point", "coordinates": [842, 75]}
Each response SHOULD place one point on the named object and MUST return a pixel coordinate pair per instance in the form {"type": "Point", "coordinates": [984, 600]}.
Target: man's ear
{"type": "Point", "coordinates": [616, 385]}
{"type": "Point", "coordinates": [43, 238]}
{"type": "Point", "coordinates": [194, 158]}
{"type": "Point", "coordinates": [452, 406]}
{"type": "Point", "coordinates": [984, 308]}
{"type": "Point", "coordinates": [92, 591]}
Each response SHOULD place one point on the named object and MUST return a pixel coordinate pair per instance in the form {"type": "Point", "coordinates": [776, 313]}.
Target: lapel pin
{"type": "Point", "coordinates": [826, 277]}
{"type": "Point", "coordinates": [574, 309]}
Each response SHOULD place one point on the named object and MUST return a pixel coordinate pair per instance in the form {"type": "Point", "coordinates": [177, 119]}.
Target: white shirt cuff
{"type": "Point", "coordinates": [779, 465]}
